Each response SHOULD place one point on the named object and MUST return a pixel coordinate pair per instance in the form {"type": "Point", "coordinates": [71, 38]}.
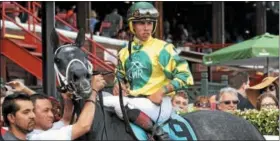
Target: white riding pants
{"type": "Point", "coordinates": [143, 104]}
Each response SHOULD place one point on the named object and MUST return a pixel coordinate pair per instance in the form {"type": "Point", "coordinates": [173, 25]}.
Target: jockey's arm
{"type": "Point", "coordinates": [176, 69]}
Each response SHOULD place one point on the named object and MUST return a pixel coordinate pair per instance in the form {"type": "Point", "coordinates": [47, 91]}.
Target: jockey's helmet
{"type": "Point", "coordinates": [142, 11]}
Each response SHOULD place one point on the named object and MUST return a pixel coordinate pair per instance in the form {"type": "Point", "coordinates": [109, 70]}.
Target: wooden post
{"type": "Point", "coordinates": [204, 84]}
{"type": "Point", "coordinates": [49, 81]}
{"type": "Point", "coordinates": [260, 17]}
{"type": "Point", "coordinates": [224, 79]}
{"type": "Point", "coordinates": [159, 30]}
{"type": "Point", "coordinates": [218, 26]}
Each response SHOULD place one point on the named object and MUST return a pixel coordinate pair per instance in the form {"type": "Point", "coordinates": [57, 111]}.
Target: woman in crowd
{"type": "Point", "coordinates": [268, 101]}
{"type": "Point", "coordinates": [202, 103]}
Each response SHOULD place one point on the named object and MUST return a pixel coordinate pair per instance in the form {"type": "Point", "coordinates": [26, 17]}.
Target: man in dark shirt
{"type": "Point", "coordinates": [240, 81]}
{"type": "Point", "coordinates": [116, 23]}
{"type": "Point", "coordinates": [18, 116]}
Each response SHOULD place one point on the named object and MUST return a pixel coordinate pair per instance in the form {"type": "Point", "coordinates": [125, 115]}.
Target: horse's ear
{"type": "Point", "coordinates": [54, 40]}
{"type": "Point", "coordinates": [80, 40]}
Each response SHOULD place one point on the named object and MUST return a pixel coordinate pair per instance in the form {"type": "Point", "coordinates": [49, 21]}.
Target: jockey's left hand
{"type": "Point", "coordinates": [156, 97]}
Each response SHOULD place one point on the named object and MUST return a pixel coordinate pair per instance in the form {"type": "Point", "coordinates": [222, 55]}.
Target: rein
{"type": "Point", "coordinates": [125, 117]}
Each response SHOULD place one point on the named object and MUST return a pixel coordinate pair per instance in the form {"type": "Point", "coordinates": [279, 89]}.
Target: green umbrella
{"type": "Point", "coordinates": [259, 51]}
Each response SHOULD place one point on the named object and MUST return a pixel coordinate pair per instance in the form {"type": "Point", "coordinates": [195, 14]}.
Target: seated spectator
{"type": "Point", "coordinates": [227, 99]}
{"type": "Point", "coordinates": [202, 103]}
{"type": "Point", "coordinates": [18, 116]}
{"type": "Point", "coordinates": [267, 100]}
{"type": "Point", "coordinates": [46, 130]}
{"type": "Point", "coordinates": [180, 102]}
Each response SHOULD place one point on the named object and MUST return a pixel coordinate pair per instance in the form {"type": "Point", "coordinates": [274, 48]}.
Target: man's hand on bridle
{"type": "Point", "coordinates": [98, 82]}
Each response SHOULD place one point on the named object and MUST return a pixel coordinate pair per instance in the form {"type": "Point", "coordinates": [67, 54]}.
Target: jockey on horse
{"type": "Point", "coordinates": [152, 69]}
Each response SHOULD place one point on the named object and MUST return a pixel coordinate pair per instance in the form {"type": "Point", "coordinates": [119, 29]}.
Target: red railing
{"type": "Point", "coordinates": [213, 46]}
{"type": "Point", "coordinates": [95, 44]}
{"type": "Point", "coordinates": [21, 9]}
{"type": "Point", "coordinates": [35, 5]}
{"type": "Point", "coordinates": [91, 57]}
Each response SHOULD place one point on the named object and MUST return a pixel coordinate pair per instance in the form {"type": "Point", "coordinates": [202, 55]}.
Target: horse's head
{"type": "Point", "coordinates": [73, 69]}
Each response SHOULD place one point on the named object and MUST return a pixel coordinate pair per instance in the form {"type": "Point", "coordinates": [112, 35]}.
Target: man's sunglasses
{"type": "Point", "coordinates": [227, 102]}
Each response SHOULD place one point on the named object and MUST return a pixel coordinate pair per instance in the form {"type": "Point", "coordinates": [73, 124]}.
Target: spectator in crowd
{"type": "Point", "coordinates": [180, 102]}
{"type": "Point", "coordinates": [56, 109]}
{"type": "Point", "coordinates": [46, 130]}
{"type": "Point", "coordinates": [267, 100]}
{"type": "Point", "coordinates": [71, 18]}
{"type": "Point", "coordinates": [268, 84]}
{"type": "Point", "coordinates": [227, 99]}
{"type": "Point", "coordinates": [202, 103]}
{"type": "Point", "coordinates": [18, 116]}
{"type": "Point", "coordinates": [16, 15]}
{"type": "Point", "coordinates": [62, 14]}
{"type": "Point", "coordinates": [122, 35]}
{"type": "Point", "coordinates": [2, 97]}
{"type": "Point", "coordinates": [240, 81]}
{"type": "Point", "coordinates": [116, 23]}
{"type": "Point", "coordinates": [93, 21]}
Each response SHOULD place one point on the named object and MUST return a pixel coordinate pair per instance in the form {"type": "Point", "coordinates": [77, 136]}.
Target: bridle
{"type": "Point", "coordinates": [64, 85]}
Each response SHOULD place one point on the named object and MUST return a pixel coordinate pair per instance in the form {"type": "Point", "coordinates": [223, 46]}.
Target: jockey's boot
{"type": "Point", "coordinates": [141, 119]}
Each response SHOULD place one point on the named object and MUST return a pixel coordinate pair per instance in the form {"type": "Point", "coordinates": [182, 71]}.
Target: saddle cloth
{"type": "Point", "coordinates": [177, 128]}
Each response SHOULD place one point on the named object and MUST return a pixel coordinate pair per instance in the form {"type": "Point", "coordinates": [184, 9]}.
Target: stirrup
{"type": "Point", "coordinates": [160, 135]}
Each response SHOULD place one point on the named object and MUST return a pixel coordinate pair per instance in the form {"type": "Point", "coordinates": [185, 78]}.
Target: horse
{"type": "Point", "coordinates": [74, 71]}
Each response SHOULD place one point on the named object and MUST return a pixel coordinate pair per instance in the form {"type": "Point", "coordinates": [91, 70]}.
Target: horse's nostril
{"type": "Point", "coordinates": [75, 77]}
{"type": "Point", "coordinates": [87, 75]}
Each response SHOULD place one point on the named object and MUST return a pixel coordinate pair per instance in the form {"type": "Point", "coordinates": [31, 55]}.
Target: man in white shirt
{"type": "Point", "coordinates": [61, 130]}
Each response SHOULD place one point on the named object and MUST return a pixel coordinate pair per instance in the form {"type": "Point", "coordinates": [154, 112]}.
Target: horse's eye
{"type": "Point", "coordinates": [56, 60]}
